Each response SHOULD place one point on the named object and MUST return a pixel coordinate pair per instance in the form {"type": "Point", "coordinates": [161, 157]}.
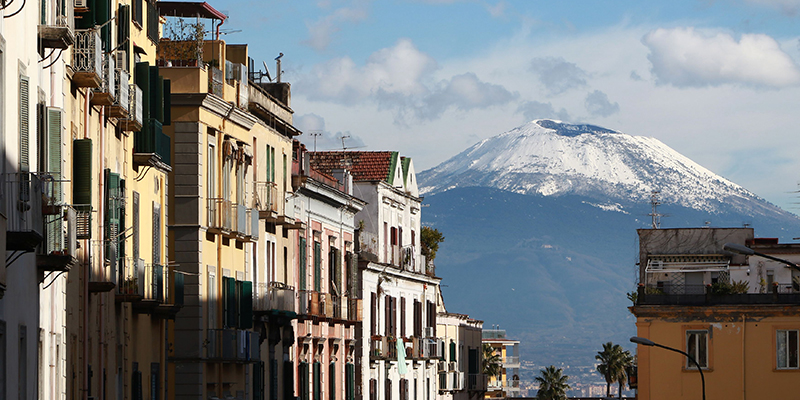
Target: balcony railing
{"type": "Point", "coordinates": [435, 349]}
{"type": "Point", "coordinates": [275, 296]}
{"type": "Point", "coordinates": [134, 121]}
{"type": "Point", "coordinates": [710, 296]}
{"type": "Point", "coordinates": [232, 345]}
{"type": "Point", "coordinates": [477, 382]}
{"type": "Point", "coordinates": [383, 348]}
{"type": "Point", "coordinates": [152, 143]}
{"type": "Point", "coordinates": [354, 309]}
{"type": "Point", "coordinates": [87, 58]}
{"type": "Point", "coordinates": [510, 360]}
{"type": "Point", "coordinates": [505, 385]}
{"type": "Point", "coordinates": [332, 305]}
{"type": "Point", "coordinates": [451, 381]}
{"type": "Point", "coordinates": [220, 215]}
{"type": "Point", "coordinates": [265, 199]}
{"type": "Point", "coordinates": [57, 32]}
{"type": "Point", "coordinates": [120, 107]}
{"type": "Point", "coordinates": [310, 303]}
{"type": "Point", "coordinates": [105, 94]}
{"type": "Point", "coordinates": [23, 208]}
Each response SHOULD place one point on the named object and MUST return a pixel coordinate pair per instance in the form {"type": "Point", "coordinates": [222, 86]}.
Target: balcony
{"type": "Point", "coordinates": [119, 108]}
{"type": "Point", "coordinates": [354, 310]}
{"type": "Point", "coordinates": [105, 94]}
{"type": "Point", "coordinates": [435, 349]}
{"type": "Point", "coordinates": [233, 345]}
{"type": "Point", "coordinates": [310, 304]}
{"type": "Point", "coordinates": [102, 270]}
{"type": "Point", "coordinates": [59, 249]}
{"type": "Point", "coordinates": [266, 200]}
{"type": "Point", "coordinates": [707, 295]}
{"type": "Point", "coordinates": [419, 349]}
{"type": "Point", "coordinates": [477, 382]}
{"type": "Point", "coordinates": [511, 362]}
{"type": "Point", "coordinates": [451, 381]}
{"type": "Point", "coordinates": [134, 121]}
{"type": "Point", "coordinates": [23, 208]}
{"type": "Point", "coordinates": [383, 348]}
{"type": "Point", "coordinates": [220, 215]}
{"type": "Point", "coordinates": [151, 147]}
{"type": "Point", "coordinates": [331, 305]}
{"type": "Point", "coordinates": [87, 59]}
{"type": "Point", "coordinates": [275, 297]}
{"type": "Point", "coordinates": [57, 32]}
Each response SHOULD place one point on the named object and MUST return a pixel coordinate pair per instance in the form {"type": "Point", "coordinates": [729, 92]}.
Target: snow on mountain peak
{"type": "Point", "coordinates": [552, 158]}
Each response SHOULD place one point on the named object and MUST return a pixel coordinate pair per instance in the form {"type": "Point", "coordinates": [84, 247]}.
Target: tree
{"type": "Point", "coordinates": [613, 363]}
{"type": "Point", "coordinates": [492, 364]}
{"type": "Point", "coordinates": [430, 239]}
{"type": "Point", "coordinates": [552, 384]}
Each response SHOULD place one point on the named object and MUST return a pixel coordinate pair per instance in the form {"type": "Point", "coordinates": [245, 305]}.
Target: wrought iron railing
{"type": "Point", "coordinates": [266, 194]}
{"type": "Point", "coordinates": [87, 55]}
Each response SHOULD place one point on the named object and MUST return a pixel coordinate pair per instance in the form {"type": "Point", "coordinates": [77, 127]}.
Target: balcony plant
{"type": "Point", "coordinates": [182, 43]}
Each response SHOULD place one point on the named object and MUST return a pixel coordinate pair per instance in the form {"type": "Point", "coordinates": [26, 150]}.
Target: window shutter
{"type": "Point", "coordinates": [103, 15]}
{"type": "Point", "coordinates": [403, 316]}
{"type": "Point", "coordinates": [24, 124]}
{"type": "Point", "coordinates": [135, 226]}
{"type": "Point", "coordinates": [351, 381]}
{"type": "Point", "coordinates": [303, 378]}
{"type": "Point", "coordinates": [156, 94]}
{"type": "Point", "coordinates": [337, 270]}
{"type": "Point", "coordinates": [258, 380]}
{"type": "Point", "coordinates": [452, 351]}
{"type": "Point", "coordinates": [273, 379]}
{"type": "Point", "coordinates": [141, 76]}
{"type": "Point", "coordinates": [228, 302]}
{"type": "Point", "coordinates": [373, 389]}
{"type": "Point", "coordinates": [388, 389]}
{"type": "Point", "coordinates": [303, 261]}
{"type": "Point", "coordinates": [387, 313]}
{"type": "Point", "coordinates": [317, 266]}
{"type": "Point", "coordinates": [373, 314]}
{"type": "Point", "coordinates": [332, 381]}
{"type": "Point", "coordinates": [82, 172]}
{"type": "Point", "coordinates": [167, 98]}
{"type": "Point", "coordinates": [288, 380]}
{"type": "Point", "coordinates": [54, 146]}
{"type": "Point", "coordinates": [156, 233]}
{"type": "Point", "coordinates": [317, 381]}
{"type": "Point", "coordinates": [394, 316]}
{"type": "Point", "coordinates": [246, 306]}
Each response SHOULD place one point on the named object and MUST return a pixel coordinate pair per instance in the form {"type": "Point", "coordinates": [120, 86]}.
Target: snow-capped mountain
{"type": "Point", "coordinates": [551, 158]}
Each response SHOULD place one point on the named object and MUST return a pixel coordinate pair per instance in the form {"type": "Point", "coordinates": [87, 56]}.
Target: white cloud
{"type": "Point", "coordinates": [788, 7]}
{"type": "Point", "coordinates": [497, 10]}
{"type": "Point", "coordinates": [685, 57]}
{"type": "Point", "coordinates": [532, 110]}
{"type": "Point", "coordinates": [597, 104]}
{"type": "Point", "coordinates": [318, 138]}
{"type": "Point", "coordinates": [557, 75]}
{"type": "Point", "coordinates": [321, 31]}
{"type": "Point", "coordinates": [400, 79]}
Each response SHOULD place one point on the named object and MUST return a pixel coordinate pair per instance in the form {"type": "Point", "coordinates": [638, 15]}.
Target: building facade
{"type": "Point", "coordinates": [507, 383]}
{"type": "Point", "coordinates": [461, 374]}
{"type": "Point", "coordinates": [717, 307]}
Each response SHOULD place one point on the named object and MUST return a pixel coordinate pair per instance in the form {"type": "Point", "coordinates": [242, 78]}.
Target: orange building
{"type": "Point", "coordinates": [744, 337]}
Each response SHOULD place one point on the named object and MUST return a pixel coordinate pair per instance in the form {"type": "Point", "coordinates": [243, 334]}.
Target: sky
{"type": "Point", "coordinates": [717, 80]}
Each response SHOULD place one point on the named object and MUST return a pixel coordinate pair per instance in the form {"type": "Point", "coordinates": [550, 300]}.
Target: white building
{"type": "Point", "coordinates": [399, 349]}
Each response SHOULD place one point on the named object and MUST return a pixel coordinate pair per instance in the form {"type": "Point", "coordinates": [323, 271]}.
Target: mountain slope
{"type": "Point", "coordinates": [540, 226]}
{"type": "Point", "coordinates": [553, 158]}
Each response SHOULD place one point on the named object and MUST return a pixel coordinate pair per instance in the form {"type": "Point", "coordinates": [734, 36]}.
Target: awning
{"type": "Point", "coordinates": [190, 9]}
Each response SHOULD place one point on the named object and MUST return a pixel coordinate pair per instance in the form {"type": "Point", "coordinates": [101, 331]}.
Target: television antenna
{"type": "Point", "coordinates": [654, 202]}
{"type": "Point", "coordinates": [315, 134]}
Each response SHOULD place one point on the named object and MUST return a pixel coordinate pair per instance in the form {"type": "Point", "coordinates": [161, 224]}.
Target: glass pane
{"type": "Point", "coordinates": [781, 349]}
{"type": "Point", "coordinates": [691, 348]}
{"type": "Point", "coordinates": [702, 349]}
{"type": "Point", "coordinates": [792, 350]}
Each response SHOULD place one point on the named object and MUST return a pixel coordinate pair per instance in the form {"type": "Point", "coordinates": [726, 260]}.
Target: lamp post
{"type": "Point", "coordinates": [739, 249]}
{"type": "Point", "coordinates": [648, 342]}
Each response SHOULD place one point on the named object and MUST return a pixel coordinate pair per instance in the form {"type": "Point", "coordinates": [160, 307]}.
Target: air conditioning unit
{"type": "Point", "coordinates": [81, 3]}
{"type": "Point", "coordinates": [430, 331]}
{"type": "Point", "coordinates": [121, 59]}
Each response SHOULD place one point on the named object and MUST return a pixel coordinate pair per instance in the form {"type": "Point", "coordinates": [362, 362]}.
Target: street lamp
{"type": "Point", "coordinates": [739, 249]}
{"type": "Point", "coordinates": [648, 342]}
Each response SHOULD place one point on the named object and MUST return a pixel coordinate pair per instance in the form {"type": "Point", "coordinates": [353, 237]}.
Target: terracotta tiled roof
{"type": "Point", "coordinates": [364, 165]}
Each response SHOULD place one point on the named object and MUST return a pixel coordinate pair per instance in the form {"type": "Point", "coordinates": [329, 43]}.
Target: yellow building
{"type": "Point", "coordinates": [229, 232]}
{"type": "Point", "coordinates": [115, 159]}
{"type": "Point", "coordinates": [745, 340]}
{"type": "Point", "coordinates": [507, 383]}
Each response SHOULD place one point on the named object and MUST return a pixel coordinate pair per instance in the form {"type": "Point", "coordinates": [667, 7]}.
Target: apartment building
{"type": "Point", "coordinates": [461, 374]}
{"type": "Point", "coordinates": [506, 384]}
{"type": "Point", "coordinates": [735, 314]}
{"type": "Point", "coordinates": [398, 341]}
{"type": "Point", "coordinates": [329, 297]}
{"type": "Point", "coordinates": [230, 230]}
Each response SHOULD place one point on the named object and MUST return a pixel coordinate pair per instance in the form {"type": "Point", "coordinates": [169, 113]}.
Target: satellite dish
{"type": "Point", "coordinates": [267, 69]}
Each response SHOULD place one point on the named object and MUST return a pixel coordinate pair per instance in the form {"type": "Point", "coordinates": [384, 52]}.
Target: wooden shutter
{"type": "Point", "coordinates": [387, 314]}
{"type": "Point", "coordinates": [246, 306]}
{"type": "Point", "coordinates": [337, 270]}
{"type": "Point", "coordinates": [156, 233]}
{"type": "Point", "coordinates": [135, 223]}
{"type": "Point", "coordinates": [317, 266]}
{"type": "Point", "coordinates": [141, 76]}
{"type": "Point", "coordinates": [394, 316]}
{"type": "Point", "coordinates": [388, 389]}
{"type": "Point", "coordinates": [24, 124]}
{"type": "Point", "coordinates": [373, 389]}
{"type": "Point", "coordinates": [332, 381]}
{"type": "Point", "coordinates": [350, 381]}
{"type": "Point", "coordinates": [452, 351]}
{"type": "Point", "coordinates": [403, 316]}
{"type": "Point", "coordinates": [317, 381]}
{"type": "Point", "coordinates": [82, 172]}
{"type": "Point", "coordinates": [303, 261]}
{"type": "Point", "coordinates": [305, 388]}
{"type": "Point", "coordinates": [373, 314]}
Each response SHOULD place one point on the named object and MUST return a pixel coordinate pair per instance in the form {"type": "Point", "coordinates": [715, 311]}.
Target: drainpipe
{"type": "Point", "coordinates": [100, 216]}
{"type": "Point", "coordinates": [87, 251]}
{"type": "Point", "coordinates": [744, 382]}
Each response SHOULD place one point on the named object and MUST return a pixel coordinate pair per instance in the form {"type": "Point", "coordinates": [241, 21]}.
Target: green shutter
{"type": "Point", "coordinates": [141, 77]}
{"type": "Point", "coordinates": [317, 266]}
{"type": "Point", "coordinates": [303, 262]}
{"type": "Point", "coordinates": [317, 381]}
{"type": "Point", "coordinates": [258, 380]}
{"type": "Point", "coordinates": [337, 270]}
{"type": "Point", "coordinates": [82, 172]}
{"type": "Point", "coordinates": [350, 393]}
{"type": "Point", "coordinates": [24, 124]}
{"type": "Point", "coordinates": [103, 15]}
{"type": "Point", "coordinates": [332, 381]}
{"type": "Point", "coordinates": [167, 95]}
{"type": "Point", "coordinates": [273, 379]}
{"type": "Point", "coordinates": [452, 351]}
{"type": "Point", "coordinates": [156, 94]}
{"type": "Point", "coordinates": [246, 306]}
{"type": "Point", "coordinates": [272, 165]}
{"type": "Point", "coordinates": [303, 378]}
{"type": "Point", "coordinates": [86, 20]}
{"type": "Point", "coordinates": [228, 302]}
{"type": "Point", "coordinates": [178, 287]}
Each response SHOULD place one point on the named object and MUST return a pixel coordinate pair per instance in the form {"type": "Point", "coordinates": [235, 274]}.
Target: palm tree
{"type": "Point", "coordinates": [492, 364]}
{"type": "Point", "coordinates": [626, 361]}
{"type": "Point", "coordinates": [610, 364]}
{"type": "Point", "coordinates": [552, 384]}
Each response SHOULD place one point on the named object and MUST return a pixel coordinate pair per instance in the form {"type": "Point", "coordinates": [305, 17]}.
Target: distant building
{"type": "Point", "coordinates": [461, 374]}
{"type": "Point", "coordinates": [507, 383]}
{"type": "Point", "coordinates": [744, 336]}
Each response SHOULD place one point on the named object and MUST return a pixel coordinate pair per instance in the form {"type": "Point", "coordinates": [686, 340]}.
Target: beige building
{"type": "Point", "coordinates": [461, 374]}
{"type": "Point", "coordinates": [507, 384]}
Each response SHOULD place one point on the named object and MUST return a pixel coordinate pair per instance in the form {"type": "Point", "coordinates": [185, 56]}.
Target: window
{"type": "Point", "coordinates": [697, 347]}
{"type": "Point", "coordinates": [787, 349]}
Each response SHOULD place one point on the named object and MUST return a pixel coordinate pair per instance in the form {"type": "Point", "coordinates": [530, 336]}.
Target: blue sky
{"type": "Point", "coordinates": [717, 80]}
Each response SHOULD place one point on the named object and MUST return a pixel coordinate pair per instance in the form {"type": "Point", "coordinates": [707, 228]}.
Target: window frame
{"type": "Point", "coordinates": [705, 331]}
{"type": "Point", "coordinates": [776, 331]}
